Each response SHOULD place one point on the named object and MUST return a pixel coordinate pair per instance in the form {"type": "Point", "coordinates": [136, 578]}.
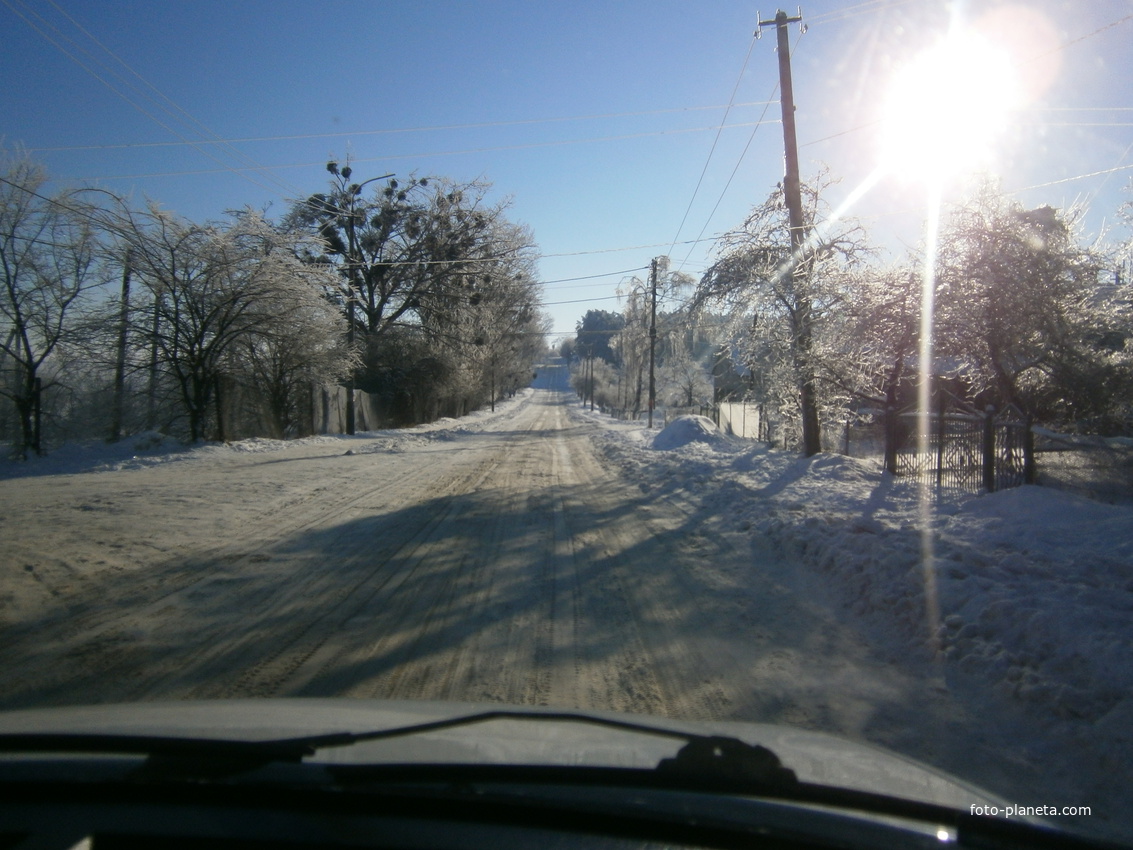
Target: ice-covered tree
{"type": "Point", "coordinates": [415, 261]}
{"type": "Point", "coordinates": [49, 262]}
{"type": "Point", "coordinates": [783, 303]}
{"type": "Point", "coordinates": [227, 301]}
{"type": "Point", "coordinates": [1024, 310]}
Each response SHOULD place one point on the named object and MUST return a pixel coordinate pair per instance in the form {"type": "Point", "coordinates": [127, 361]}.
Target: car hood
{"type": "Point", "coordinates": [548, 740]}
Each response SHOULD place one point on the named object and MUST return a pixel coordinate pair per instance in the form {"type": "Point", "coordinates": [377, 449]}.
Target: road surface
{"type": "Point", "coordinates": [499, 559]}
{"type": "Point", "coordinates": [500, 562]}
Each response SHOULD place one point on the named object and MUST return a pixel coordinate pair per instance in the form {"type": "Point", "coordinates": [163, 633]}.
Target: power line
{"type": "Point", "coordinates": [1082, 38]}
{"type": "Point", "coordinates": [715, 141]}
{"type": "Point", "coordinates": [582, 300]}
{"type": "Point", "coordinates": [732, 176]}
{"type": "Point", "coordinates": [870, 124]}
{"type": "Point", "coordinates": [593, 276]}
{"type": "Point", "coordinates": [848, 12]}
{"type": "Point", "coordinates": [496, 149]}
{"type": "Point", "coordinates": [84, 214]}
{"type": "Point", "coordinates": [54, 36]}
{"type": "Point", "coordinates": [627, 248]}
{"type": "Point", "coordinates": [1104, 171]}
{"type": "Point", "coordinates": [1080, 109]}
{"type": "Point", "coordinates": [392, 131]}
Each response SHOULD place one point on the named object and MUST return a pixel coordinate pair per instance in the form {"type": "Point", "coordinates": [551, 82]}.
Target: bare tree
{"type": "Point", "coordinates": [49, 262]}
{"type": "Point", "coordinates": [226, 297]}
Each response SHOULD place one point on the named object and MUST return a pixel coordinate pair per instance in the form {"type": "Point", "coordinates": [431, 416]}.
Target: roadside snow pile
{"type": "Point", "coordinates": [152, 448]}
{"type": "Point", "coordinates": [688, 429]}
{"type": "Point", "coordinates": [1032, 587]}
{"type": "Point", "coordinates": [1038, 596]}
{"type": "Point", "coordinates": [149, 440]}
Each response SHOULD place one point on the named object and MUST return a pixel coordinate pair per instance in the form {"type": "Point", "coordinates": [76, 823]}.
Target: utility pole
{"type": "Point", "coordinates": [120, 363]}
{"type": "Point", "coordinates": [792, 194]}
{"type": "Point", "coordinates": [791, 183]}
{"type": "Point", "coordinates": [591, 377]}
{"type": "Point", "coordinates": [151, 401]}
{"type": "Point", "coordinates": [652, 338]}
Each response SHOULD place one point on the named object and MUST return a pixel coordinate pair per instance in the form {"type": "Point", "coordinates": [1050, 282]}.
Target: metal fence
{"type": "Point", "coordinates": [1095, 467]}
{"type": "Point", "coordinates": [977, 453]}
{"type": "Point", "coordinates": [958, 449]}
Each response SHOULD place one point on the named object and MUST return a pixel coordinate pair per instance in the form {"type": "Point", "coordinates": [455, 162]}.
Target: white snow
{"type": "Point", "coordinates": [687, 429]}
{"type": "Point", "coordinates": [1034, 586]}
{"type": "Point", "coordinates": [1026, 605]}
{"type": "Point", "coordinates": [153, 448]}
{"type": "Point", "coordinates": [1029, 596]}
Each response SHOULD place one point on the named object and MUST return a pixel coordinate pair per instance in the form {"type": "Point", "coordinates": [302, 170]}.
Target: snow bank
{"type": "Point", "coordinates": [1027, 591]}
{"type": "Point", "coordinates": [150, 448]}
{"type": "Point", "coordinates": [688, 429]}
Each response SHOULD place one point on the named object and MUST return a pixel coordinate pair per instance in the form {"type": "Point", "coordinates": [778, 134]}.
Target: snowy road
{"type": "Point", "coordinates": [500, 558]}
{"type": "Point", "coordinates": [495, 562]}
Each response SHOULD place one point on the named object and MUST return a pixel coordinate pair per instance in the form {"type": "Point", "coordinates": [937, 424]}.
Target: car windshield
{"type": "Point", "coordinates": [692, 363]}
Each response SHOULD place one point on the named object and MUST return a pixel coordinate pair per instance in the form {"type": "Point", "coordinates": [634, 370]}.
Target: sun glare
{"type": "Point", "coordinates": [947, 107]}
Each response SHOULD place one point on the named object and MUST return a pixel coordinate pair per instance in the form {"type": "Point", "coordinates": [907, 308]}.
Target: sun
{"type": "Point", "coordinates": [946, 108]}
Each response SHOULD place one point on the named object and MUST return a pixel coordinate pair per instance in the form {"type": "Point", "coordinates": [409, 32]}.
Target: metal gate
{"type": "Point", "coordinates": [961, 450]}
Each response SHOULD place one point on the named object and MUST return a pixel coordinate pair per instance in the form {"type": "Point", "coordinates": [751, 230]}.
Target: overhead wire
{"type": "Point", "coordinates": [727, 184]}
{"type": "Point", "coordinates": [876, 5]}
{"type": "Point", "coordinates": [426, 155]}
{"type": "Point", "coordinates": [175, 109]}
{"type": "Point", "coordinates": [582, 300]}
{"type": "Point", "coordinates": [99, 69]}
{"type": "Point", "coordinates": [861, 8]}
{"type": "Point", "coordinates": [595, 276]}
{"type": "Point", "coordinates": [1108, 172]}
{"type": "Point", "coordinates": [84, 214]}
{"type": "Point", "coordinates": [1118, 167]}
{"type": "Point", "coordinates": [739, 162]}
{"type": "Point", "coordinates": [847, 12]}
{"type": "Point", "coordinates": [715, 141]}
{"type": "Point", "coordinates": [394, 130]}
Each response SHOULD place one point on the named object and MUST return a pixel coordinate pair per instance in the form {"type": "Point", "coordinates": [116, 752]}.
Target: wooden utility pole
{"type": "Point", "coordinates": [591, 377]}
{"type": "Point", "coordinates": [792, 194]}
{"type": "Point", "coordinates": [792, 190]}
{"type": "Point", "coordinates": [151, 401]}
{"type": "Point", "coordinates": [652, 339]}
{"type": "Point", "coordinates": [120, 363]}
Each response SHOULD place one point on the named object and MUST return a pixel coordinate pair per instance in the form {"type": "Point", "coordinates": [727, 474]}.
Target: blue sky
{"type": "Point", "coordinates": [596, 118]}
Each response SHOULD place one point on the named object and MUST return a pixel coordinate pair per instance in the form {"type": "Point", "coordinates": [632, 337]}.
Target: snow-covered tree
{"type": "Point", "coordinates": [1024, 310]}
{"type": "Point", "coordinates": [878, 336]}
{"type": "Point", "coordinates": [49, 261]}
{"type": "Point", "coordinates": [784, 304]}
{"type": "Point", "coordinates": [228, 298]}
{"type": "Point", "coordinates": [419, 261]}
{"type": "Point", "coordinates": [685, 380]}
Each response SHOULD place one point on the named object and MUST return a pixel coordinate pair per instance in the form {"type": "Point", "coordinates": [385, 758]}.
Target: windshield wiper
{"type": "Point", "coordinates": [703, 760]}
{"type": "Point", "coordinates": [285, 750]}
{"type": "Point", "coordinates": [705, 763]}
